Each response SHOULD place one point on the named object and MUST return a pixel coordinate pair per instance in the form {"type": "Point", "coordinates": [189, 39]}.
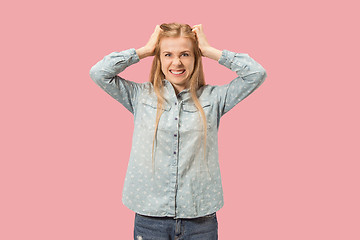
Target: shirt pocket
{"type": "Point", "coordinates": [148, 114]}
{"type": "Point", "coordinates": [191, 119]}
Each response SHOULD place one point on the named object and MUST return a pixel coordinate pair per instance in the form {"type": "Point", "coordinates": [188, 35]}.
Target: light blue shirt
{"type": "Point", "coordinates": [184, 185]}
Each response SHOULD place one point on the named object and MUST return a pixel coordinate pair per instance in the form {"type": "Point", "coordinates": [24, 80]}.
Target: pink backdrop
{"type": "Point", "coordinates": [288, 153]}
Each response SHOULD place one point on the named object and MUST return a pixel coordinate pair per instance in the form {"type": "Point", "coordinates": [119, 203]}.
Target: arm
{"type": "Point", "coordinates": [104, 73]}
{"type": "Point", "coordinates": [250, 76]}
{"type": "Point", "coordinates": [250, 73]}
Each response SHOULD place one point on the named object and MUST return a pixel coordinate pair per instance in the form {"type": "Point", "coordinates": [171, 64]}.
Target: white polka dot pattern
{"type": "Point", "coordinates": [183, 184]}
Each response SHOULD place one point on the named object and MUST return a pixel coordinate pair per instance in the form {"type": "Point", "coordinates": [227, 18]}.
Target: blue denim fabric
{"type": "Point", "coordinates": [167, 228]}
{"type": "Point", "coordinates": [184, 185]}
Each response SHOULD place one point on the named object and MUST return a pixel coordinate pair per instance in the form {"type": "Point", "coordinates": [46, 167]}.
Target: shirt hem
{"type": "Point", "coordinates": [144, 213]}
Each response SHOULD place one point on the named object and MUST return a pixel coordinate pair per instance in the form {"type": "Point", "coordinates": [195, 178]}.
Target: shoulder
{"type": "Point", "coordinates": [208, 93]}
{"type": "Point", "coordinates": [147, 90]}
{"type": "Point", "coordinates": [207, 90]}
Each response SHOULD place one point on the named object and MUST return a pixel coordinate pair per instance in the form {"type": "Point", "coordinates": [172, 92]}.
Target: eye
{"type": "Point", "coordinates": [185, 54]}
{"type": "Point", "coordinates": [167, 54]}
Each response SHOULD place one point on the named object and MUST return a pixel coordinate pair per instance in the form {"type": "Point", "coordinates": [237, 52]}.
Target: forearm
{"type": "Point", "coordinates": [113, 64]}
{"type": "Point", "coordinates": [242, 64]}
{"type": "Point", "coordinates": [212, 53]}
{"type": "Point", "coordinates": [143, 52]}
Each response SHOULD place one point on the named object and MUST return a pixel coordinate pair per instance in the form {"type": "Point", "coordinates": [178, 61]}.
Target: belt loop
{"type": "Point", "coordinates": [177, 226]}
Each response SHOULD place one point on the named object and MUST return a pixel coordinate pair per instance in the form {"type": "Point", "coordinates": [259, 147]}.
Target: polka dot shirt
{"type": "Point", "coordinates": [181, 183]}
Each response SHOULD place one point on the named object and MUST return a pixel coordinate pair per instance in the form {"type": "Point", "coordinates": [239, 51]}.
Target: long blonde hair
{"type": "Point", "coordinates": [196, 79]}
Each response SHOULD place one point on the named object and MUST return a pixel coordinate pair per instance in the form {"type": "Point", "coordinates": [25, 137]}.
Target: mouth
{"type": "Point", "coordinates": [177, 72]}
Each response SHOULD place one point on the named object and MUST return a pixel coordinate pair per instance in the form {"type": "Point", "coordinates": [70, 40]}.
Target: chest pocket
{"type": "Point", "coordinates": [147, 114]}
{"type": "Point", "coordinates": [191, 119]}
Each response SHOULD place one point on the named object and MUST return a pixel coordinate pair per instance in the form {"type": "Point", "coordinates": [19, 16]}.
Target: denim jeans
{"type": "Point", "coordinates": [168, 228]}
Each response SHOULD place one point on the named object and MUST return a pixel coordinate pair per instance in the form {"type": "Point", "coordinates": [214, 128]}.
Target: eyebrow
{"type": "Point", "coordinates": [180, 52]}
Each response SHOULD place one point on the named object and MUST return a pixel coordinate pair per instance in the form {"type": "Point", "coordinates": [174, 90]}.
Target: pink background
{"type": "Point", "coordinates": [288, 153]}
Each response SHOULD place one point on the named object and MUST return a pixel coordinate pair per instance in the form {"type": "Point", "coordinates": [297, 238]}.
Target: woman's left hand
{"type": "Point", "coordinates": [203, 42]}
{"type": "Point", "coordinates": [206, 49]}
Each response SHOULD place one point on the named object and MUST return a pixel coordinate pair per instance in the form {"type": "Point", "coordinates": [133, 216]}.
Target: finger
{"type": "Point", "coordinates": [157, 30]}
{"type": "Point", "coordinates": [195, 29]}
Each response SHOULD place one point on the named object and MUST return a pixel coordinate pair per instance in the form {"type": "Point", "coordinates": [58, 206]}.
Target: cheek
{"type": "Point", "coordinates": [164, 65]}
{"type": "Point", "coordinates": [191, 65]}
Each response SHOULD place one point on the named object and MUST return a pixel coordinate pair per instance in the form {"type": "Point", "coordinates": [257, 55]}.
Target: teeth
{"type": "Point", "coordinates": [177, 72]}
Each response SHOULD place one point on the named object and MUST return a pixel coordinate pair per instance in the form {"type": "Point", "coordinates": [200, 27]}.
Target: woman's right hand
{"type": "Point", "coordinates": [149, 48]}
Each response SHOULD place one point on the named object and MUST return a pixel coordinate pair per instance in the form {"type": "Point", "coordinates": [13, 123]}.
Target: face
{"type": "Point", "coordinates": [177, 61]}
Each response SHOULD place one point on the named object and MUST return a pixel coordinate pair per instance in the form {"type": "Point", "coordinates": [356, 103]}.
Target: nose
{"type": "Point", "coordinates": [177, 62]}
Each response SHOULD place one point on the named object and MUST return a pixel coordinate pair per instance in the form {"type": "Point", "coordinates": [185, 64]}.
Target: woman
{"type": "Point", "coordinates": [173, 181]}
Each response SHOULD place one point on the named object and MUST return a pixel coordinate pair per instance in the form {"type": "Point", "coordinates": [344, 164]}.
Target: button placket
{"type": "Point", "coordinates": [175, 146]}
{"type": "Point", "coordinates": [174, 161]}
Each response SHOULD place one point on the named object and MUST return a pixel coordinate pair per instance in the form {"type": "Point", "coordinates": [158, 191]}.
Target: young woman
{"type": "Point", "coordinates": [173, 181]}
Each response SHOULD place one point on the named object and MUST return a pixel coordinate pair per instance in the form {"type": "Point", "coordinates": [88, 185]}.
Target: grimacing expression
{"type": "Point", "coordinates": [177, 60]}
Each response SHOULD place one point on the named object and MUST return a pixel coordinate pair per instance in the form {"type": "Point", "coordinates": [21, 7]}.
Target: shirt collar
{"type": "Point", "coordinates": [185, 94]}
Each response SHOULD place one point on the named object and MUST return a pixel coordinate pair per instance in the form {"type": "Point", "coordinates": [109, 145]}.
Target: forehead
{"type": "Point", "coordinates": [178, 44]}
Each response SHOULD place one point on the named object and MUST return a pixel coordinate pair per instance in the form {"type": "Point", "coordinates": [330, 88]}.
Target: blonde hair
{"type": "Point", "coordinates": [196, 79]}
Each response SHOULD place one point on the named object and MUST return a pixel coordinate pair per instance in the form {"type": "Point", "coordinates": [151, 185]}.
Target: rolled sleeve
{"type": "Point", "coordinates": [250, 76]}
{"type": "Point", "coordinates": [104, 74]}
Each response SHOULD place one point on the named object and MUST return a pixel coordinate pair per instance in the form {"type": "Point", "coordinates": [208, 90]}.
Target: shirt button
{"type": "Point", "coordinates": [175, 135]}
{"type": "Point", "coordinates": [174, 152]}
{"type": "Point", "coordinates": [176, 103]}
{"type": "Point", "coordinates": [176, 118]}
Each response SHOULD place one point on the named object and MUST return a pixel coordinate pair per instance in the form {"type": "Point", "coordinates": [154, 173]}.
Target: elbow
{"type": "Point", "coordinates": [95, 74]}
{"type": "Point", "coordinates": [259, 77]}
{"type": "Point", "coordinates": [92, 72]}
{"type": "Point", "coordinates": [263, 75]}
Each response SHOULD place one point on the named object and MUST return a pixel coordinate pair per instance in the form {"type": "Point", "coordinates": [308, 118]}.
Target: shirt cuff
{"type": "Point", "coordinates": [134, 58]}
{"type": "Point", "coordinates": [226, 58]}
